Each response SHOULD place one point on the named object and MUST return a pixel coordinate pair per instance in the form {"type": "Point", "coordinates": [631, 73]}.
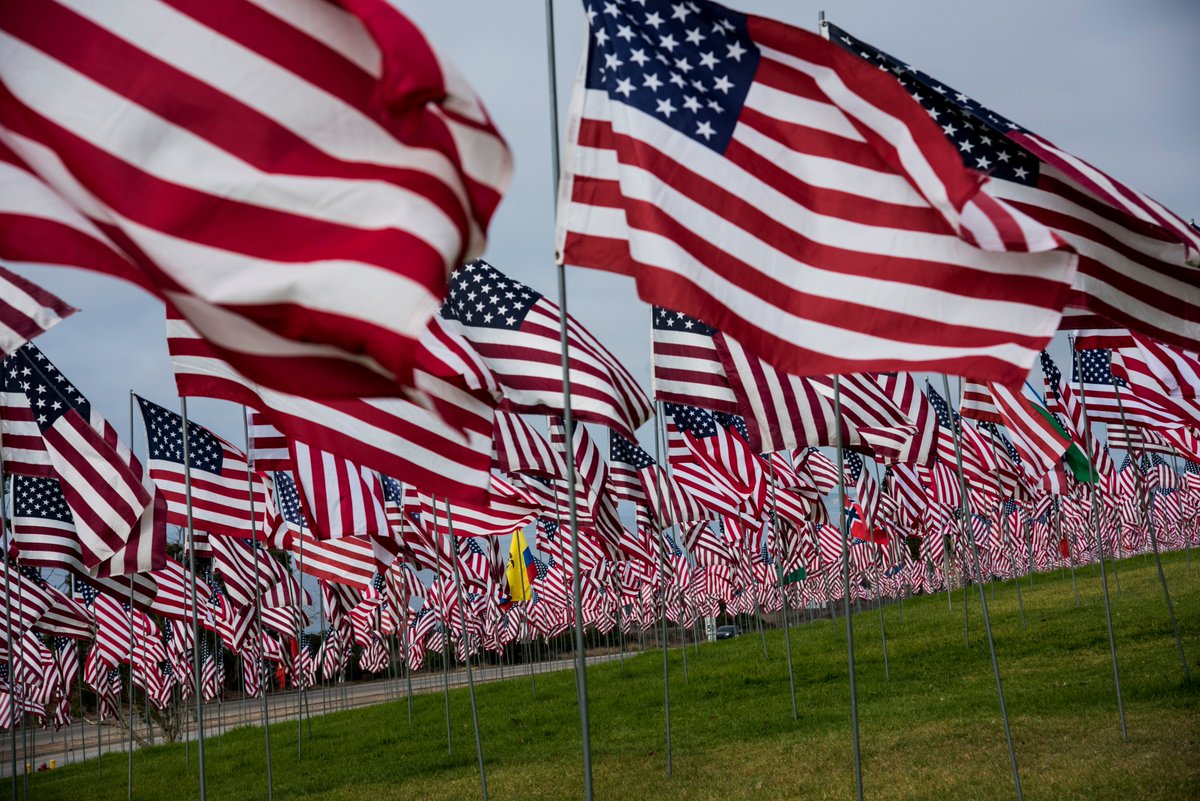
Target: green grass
{"type": "Point", "coordinates": [933, 731]}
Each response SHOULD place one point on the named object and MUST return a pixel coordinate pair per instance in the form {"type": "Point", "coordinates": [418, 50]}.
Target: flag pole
{"type": "Point", "coordinates": [467, 650]}
{"type": "Point", "coordinates": [264, 678]}
{"type": "Point", "coordinates": [782, 556]}
{"type": "Point", "coordinates": [1149, 517]}
{"type": "Point", "coordinates": [841, 471]}
{"type": "Point", "coordinates": [129, 778]}
{"type": "Point", "coordinates": [8, 630]}
{"type": "Point", "coordinates": [662, 582]}
{"type": "Point", "coordinates": [187, 489]}
{"type": "Point", "coordinates": [19, 695]}
{"type": "Point", "coordinates": [887, 672]}
{"type": "Point", "coordinates": [302, 697]}
{"type": "Point", "coordinates": [437, 554]}
{"type": "Point", "coordinates": [1096, 499]}
{"type": "Point", "coordinates": [568, 427]}
{"type": "Point", "coordinates": [987, 624]}
{"type": "Point", "coordinates": [1000, 517]}
{"type": "Point", "coordinates": [1070, 551]}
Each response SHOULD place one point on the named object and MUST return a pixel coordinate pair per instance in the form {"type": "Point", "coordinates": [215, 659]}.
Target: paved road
{"type": "Point", "coordinates": [81, 740]}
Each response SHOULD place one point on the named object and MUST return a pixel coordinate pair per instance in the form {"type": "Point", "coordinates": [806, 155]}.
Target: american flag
{"type": "Point", "coordinates": [58, 433]}
{"type": "Point", "coordinates": [1061, 400]}
{"type": "Point", "coordinates": [26, 311]}
{"type": "Point", "coordinates": [339, 498]}
{"type": "Point", "coordinates": [697, 171]}
{"type": "Point", "coordinates": [44, 535]}
{"type": "Point", "coordinates": [869, 414]}
{"type": "Point", "coordinates": [112, 621]}
{"type": "Point", "coordinates": [329, 159]}
{"type": "Point", "coordinates": [1094, 375]}
{"type": "Point", "coordinates": [1134, 255]}
{"type": "Point", "coordinates": [1177, 370]}
{"type": "Point", "coordinates": [686, 364]}
{"type": "Point", "coordinates": [1149, 386]}
{"type": "Point", "coordinates": [390, 434]}
{"type": "Point", "coordinates": [43, 608]}
{"type": "Point", "coordinates": [691, 434]}
{"type": "Point", "coordinates": [921, 449]}
{"type": "Point", "coordinates": [782, 411]}
{"type": "Point", "coordinates": [267, 449]}
{"type": "Point", "coordinates": [220, 477]}
{"type": "Point", "coordinates": [717, 442]}
{"type": "Point", "coordinates": [820, 468]}
{"type": "Point", "coordinates": [516, 331]}
{"type": "Point", "coordinates": [521, 449]}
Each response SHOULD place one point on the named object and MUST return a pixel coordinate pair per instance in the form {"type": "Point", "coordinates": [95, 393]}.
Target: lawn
{"type": "Point", "coordinates": [932, 731]}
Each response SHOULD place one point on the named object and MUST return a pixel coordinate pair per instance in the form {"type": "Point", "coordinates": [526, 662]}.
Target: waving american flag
{"type": "Point", "coordinates": [755, 176]}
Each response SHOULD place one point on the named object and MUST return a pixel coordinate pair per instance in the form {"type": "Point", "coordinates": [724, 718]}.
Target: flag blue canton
{"type": "Point", "coordinates": [1096, 367]}
{"type": "Point", "coordinates": [979, 134]}
{"type": "Point", "coordinates": [33, 574]}
{"type": "Point", "coordinates": [50, 394]}
{"type": "Point", "coordinates": [625, 452]}
{"type": "Point", "coordinates": [377, 582]}
{"type": "Point", "coordinates": [41, 498]}
{"type": "Point", "coordinates": [854, 464]}
{"type": "Point", "coordinates": [698, 422]}
{"type": "Point", "coordinates": [941, 408]}
{"type": "Point", "coordinates": [288, 499]}
{"type": "Point", "coordinates": [734, 421]}
{"type": "Point", "coordinates": [1191, 467]}
{"type": "Point", "coordinates": [85, 592]}
{"type": "Point", "coordinates": [393, 490]}
{"type": "Point", "coordinates": [1009, 448]}
{"type": "Point", "coordinates": [164, 433]}
{"type": "Point", "coordinates": [673, 548]}
{"type": "Point", "coordinates": [666, 320]}
{"type": "Point", "coordinates": [549, 527]}
{"type": "Point", "coordinates": [688, 65]}
{"type": "Point", "coordinates": [482, 296]}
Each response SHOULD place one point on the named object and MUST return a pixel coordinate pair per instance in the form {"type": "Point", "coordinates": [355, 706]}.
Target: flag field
{"type": "Point", "coordinates": [932, 732]}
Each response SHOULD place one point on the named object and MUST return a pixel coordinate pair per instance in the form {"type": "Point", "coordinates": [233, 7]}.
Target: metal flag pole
{"type": "Point", "coordinates": [887, 672]}
{"type": "Point", "coordinates": [132, 668]}
{"type": "Point", "coordinates": [8, 630]}
{"type": "Point", "coordinates": [568, 427]}
{"type": "Point", "coordinates": [264, 678]}
{"type": "Point", "coordinates": [407, 669]}
{"type": "Point", "coordinates": [662, 583]}
{"type": "Point", "coordinates": [437, 554]}
{"type": "Point", "coordinates": [132, 717]}
{"type": "Point", "coordinates": [782, 556]}
{"type": "Point", "coordinates": [1004, 529]}
{"type": "Point", "coordinates": [1096, 499]}
{"type": "Point", "coordinates": [187, 490]}
{"type": "Point", "coordinates": [466, 637]}
{"type": "Point", "coordinates": [841, 471]}
{"type": "Point", "coordinates": [19, 691]}
{"type": "Point", "coordinates": [1149, 518]}
{"type": "Point", "coordinates": [987, 623]}
{"type": "Point", "coordinates": [1070, 551]}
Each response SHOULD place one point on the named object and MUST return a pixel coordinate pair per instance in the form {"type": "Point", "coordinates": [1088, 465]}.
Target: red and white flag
{"type": "Point", "coordinates": [791, 196]}
{"type": "Point", "coordinates": [58, 432]}
{"type": "Point", "coordinates": [298, 182]}
{"type": "Point", "coordinates": [26, 311]}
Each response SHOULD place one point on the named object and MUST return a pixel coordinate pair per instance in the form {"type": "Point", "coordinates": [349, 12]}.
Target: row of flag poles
{"type": "Point", "coordinates": [813, 219]}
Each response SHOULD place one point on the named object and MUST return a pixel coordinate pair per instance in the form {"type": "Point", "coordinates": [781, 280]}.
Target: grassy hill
{"type": "Point", "coordinates": [933, 731]}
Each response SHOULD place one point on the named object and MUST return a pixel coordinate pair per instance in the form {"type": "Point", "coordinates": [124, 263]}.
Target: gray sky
{"type": "Point", "coordinates": [1112, 82]}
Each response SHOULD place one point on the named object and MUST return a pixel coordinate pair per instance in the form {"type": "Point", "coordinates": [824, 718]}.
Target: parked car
{"type": "Point", "coordinates": [726, 632]}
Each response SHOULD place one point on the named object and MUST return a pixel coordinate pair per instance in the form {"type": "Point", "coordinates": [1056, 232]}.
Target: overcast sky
{"type": "Point", "coordinates": [1112, 82]}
